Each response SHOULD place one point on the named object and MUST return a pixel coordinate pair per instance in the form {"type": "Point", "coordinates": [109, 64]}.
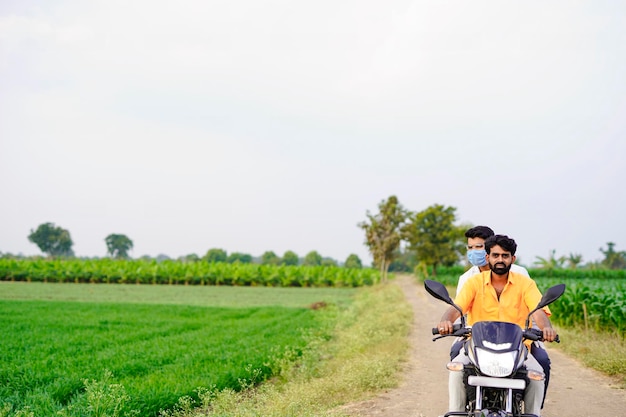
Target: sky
{"type": "Point", "coordinates": [277, 125]}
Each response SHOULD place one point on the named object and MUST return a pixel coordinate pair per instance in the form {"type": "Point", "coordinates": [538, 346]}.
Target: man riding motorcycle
{"type": "Point", "coordinates": [500, 295]}
{"type": "Point", "coordinates": [476, 255]}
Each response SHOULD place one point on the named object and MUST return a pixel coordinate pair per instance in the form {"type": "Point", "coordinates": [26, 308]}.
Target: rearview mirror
{"type": "Point", "coordinates": [440, 292]}
{"type": "Point", "coordinates": [551, 295]}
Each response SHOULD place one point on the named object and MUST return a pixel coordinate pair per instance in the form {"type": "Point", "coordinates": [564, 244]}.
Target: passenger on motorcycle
{"type": "Point", "coordinates": [502, 295]}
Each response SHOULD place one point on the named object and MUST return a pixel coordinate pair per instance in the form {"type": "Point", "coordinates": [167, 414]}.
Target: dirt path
{"type": "Point", "coordinates": [574, 391]}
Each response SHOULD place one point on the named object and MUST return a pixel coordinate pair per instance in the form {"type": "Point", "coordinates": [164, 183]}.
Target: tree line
{"type": "Point", "coordinates": [56, 242]}
{"type": "Point", "coordinates": [401, 239]}
{"type": "Point", "coordinates": [398, 240]}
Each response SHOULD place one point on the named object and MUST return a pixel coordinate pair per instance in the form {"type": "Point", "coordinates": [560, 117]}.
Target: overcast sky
{"type": "Point", "coordinates": [276, 125]}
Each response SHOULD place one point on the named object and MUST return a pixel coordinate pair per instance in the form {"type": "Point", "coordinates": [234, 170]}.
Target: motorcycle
{"type": "Point", "coordinates": [496, 377]}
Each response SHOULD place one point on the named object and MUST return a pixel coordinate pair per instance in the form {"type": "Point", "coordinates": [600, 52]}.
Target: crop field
{"type": "Point", "coordinates": [592, 303]}
{"type": "Point", "coordinates": [156, 343]}
{"type": "Point", "coordinates": [177, 273]}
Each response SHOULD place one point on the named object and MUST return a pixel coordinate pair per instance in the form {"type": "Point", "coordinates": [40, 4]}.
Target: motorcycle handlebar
{"type": "Point", "coordinates": [455, 328]}
{"type": "Point", "coordinates": [531, 334]}
{"type": "Point", "coordinates": [536, 334]}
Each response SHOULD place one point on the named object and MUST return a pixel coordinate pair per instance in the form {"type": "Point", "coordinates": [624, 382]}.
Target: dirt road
{"type": "Point", "coordinates": [574, 391]}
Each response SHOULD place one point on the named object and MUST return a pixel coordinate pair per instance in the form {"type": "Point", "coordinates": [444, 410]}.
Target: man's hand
{"type": "Point", "coordinates": [445, 324]}
{"type": "Point", "coordinates": [549, 334]}
{"type": "Point", "coordinates": [542, 320]}
{"type": "Point", "coordinates": [445, 327]}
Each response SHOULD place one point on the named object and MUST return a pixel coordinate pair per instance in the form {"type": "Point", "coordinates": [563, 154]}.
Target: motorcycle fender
{"type": "Point", "coordinates": [486, 381]}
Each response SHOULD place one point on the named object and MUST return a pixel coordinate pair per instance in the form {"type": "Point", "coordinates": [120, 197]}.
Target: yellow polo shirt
{"type": "Point", "coordinates": [479, 300]}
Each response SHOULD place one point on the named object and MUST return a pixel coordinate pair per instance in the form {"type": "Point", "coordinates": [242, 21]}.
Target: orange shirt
{"type": "Point", "coordinates": [479, 300]}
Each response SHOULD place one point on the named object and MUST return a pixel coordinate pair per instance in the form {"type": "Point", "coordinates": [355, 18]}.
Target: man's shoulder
{"type": "Point", "coordinates": [519, 270]}
{"type": "Point", "coordinates": [470, 272]}
{"type": "Point", "coordinates": [521, 278]}
{"type": "Point", "coordinates": [478, 276]}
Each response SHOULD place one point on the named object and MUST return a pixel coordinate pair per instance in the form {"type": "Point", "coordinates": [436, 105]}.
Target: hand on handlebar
{"type": "Point", "coordinates": [549, 334]}
{"type": "Point", "coordinates": [536, 334]}
{"type": "Point", "coordinates": [445, 327]}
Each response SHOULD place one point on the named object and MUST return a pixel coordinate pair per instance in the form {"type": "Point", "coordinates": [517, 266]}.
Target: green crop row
{"type": "Point", "coordinates": [158, 353]}
{"type": "Point", "coordinates": [598, 304]}
{"type": "Point", "coordinates": [537, 273]}
{"type": "Point", "coordinates": [175, 272]}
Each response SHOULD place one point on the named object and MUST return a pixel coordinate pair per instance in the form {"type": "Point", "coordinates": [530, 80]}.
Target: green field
{"type": "Point", "coordinates": [158, 342]}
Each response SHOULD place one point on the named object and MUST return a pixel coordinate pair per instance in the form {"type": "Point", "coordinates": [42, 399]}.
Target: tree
{"type": "Point", "coordinates": [191, 258]}
{"type": "Point", "coordinates": [551, 262]}
{"type": "Point", "coordinates": [383, 232]}
{"type": "Point", "coordinates": [353, 261]}
{"type": "Point", "coordinates": [434, 237]}
{"type": "Point", "coordinates": [270, 258]}
{"type": "Point", "coordinates": [328, 262]}
{"type": "Point", "coordinates": [290, 258]}
{"type": "Point", "coordinates": [53, 240]}
{"type": "Point", "coordinates": [404, 261]}
{"type": "Point", "coordinates": [118, 245]}
{"type": "Point", "coordinates": [612, 258]}
{"type": "Point", "coordinates": [573, 260]}
{"type": "Point", "coordinates": [243, 258]}
{"type": "Point", "coordinates": [312, 258]}
{"type": "Point", "coordinates": [215, 255]}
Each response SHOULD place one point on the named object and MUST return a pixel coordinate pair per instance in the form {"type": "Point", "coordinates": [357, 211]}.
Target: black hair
{"type": "Point", "coordinates": [479, 231]}
{"type": "Point", "coordinates": [503, 241]}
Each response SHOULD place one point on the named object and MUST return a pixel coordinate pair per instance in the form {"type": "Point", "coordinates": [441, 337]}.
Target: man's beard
{"type": "Point", "coordinates": [499, 268]}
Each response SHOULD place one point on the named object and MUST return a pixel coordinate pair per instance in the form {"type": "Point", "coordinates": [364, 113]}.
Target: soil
{"type": "Point", "coordinates": [575, 391]}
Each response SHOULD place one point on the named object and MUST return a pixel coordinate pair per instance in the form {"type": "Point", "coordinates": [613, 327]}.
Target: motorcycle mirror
{"type": "Point", "coordinates": [550, 296]}
{"type": "Point", "coordinates": [440, 292]}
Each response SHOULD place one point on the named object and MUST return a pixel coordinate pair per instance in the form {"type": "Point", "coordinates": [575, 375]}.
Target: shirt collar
{"type": "Point", "coordinates": [487, 277]}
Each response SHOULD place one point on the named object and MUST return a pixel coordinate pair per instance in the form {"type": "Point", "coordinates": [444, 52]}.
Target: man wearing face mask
{"type": "Point", "coordinates": [477, 256]}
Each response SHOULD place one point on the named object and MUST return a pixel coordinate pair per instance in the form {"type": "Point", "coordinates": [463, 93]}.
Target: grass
{"type": "Point", "coordinates": [213, 296]}
{"type": "Point", "coordinates": [363, 357]}
{"type": "Point", "coordinates": [602, 351]}
{"type": "Point", "coordinates": [147, 349]}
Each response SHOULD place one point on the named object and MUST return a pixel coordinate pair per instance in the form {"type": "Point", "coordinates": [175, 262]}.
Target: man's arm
{"type": "Point", "coordinates": [542, 320]}
{"type": "Point", "coordinates": [445, 324]}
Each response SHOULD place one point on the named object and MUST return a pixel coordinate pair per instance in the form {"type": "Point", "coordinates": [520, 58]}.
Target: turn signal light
{"type": "Point", "coordinates": [536, 376]}
{"type": "Point", "coordinates": [454, 366]}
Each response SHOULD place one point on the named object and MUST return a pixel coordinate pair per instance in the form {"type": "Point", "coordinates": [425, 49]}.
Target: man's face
{"type": "Point", "coordinates": [500, 260]}
{"type": "Point", "coordinates": [475, 243]}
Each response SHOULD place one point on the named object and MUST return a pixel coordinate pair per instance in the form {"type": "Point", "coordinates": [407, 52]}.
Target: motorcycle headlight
{"type": "Point", "coordinates": [495, 364]}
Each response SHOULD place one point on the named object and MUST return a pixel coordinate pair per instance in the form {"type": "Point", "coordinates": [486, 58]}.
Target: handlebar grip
{"type": "Point", "coordinates": [455, 328]}
{"type": "Point", "coordinates": [535, 334]}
